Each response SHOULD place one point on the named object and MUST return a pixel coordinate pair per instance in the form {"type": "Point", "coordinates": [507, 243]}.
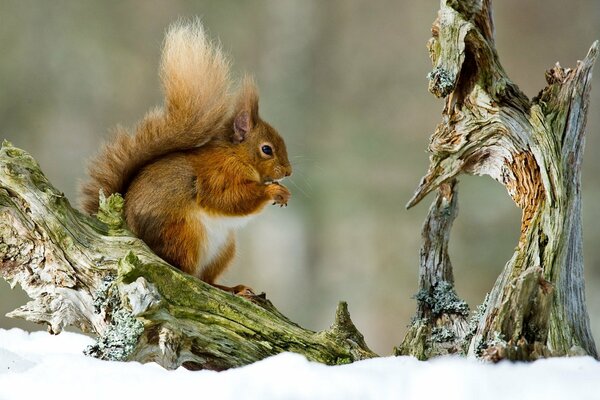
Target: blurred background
{"type": "Point", "coordinates": [344, 82]}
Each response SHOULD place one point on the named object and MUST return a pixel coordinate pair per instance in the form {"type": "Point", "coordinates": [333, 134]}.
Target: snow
{"type": "Point", "coordinates": [38, 365]}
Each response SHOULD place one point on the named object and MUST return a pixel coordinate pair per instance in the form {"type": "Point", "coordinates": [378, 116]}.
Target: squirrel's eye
{"type": "Point", "coordinates": [266, 149]}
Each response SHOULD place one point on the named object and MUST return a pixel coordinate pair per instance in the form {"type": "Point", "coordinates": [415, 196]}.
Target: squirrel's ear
{"type": "Point", "coordinates": [246, 110]}
{"type": "Point", "coordinates": [242, 124]}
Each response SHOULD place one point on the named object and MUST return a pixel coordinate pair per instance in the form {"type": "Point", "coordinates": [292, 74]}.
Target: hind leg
{"type": "Point", "coordinates": [212, 271]}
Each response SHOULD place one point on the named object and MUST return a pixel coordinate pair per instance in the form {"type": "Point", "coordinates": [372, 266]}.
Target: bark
{"type": "Point", "coordinates": [92, 273]}
{"type": "Point", "coordinates": [532, 147]}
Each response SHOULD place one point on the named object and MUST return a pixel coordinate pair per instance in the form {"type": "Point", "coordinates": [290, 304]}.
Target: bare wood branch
{"type": "Point", "coordinates": [440, 325]}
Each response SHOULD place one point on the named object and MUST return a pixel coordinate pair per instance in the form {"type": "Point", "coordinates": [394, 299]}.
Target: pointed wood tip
{"type": "Point", "coordinates": [342, 317]}
{"type": "Point", "coordinates": [344, 329]}
{"type": "Point", "coordinates": [593, 52]}
{"type": "Point", "coordinates": [590, 57]}
{"type": "Point", "coordinates": [414, 200]}
{"type": "Point", "coordinates": [426, 185]}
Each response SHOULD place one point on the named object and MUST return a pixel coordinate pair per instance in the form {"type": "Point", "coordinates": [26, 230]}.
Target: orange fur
{"type": "Point", "coordinates": [192, 169]}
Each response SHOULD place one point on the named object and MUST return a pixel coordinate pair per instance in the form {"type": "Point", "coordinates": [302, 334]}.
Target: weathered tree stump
{"type": "Point", "coordinates": [94, 274]}
{"type": "Point", "coordinates": [532, 147]}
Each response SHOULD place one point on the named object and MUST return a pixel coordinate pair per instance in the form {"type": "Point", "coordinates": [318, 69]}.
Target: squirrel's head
{"type": "Point", "coordinates": [263, 145]}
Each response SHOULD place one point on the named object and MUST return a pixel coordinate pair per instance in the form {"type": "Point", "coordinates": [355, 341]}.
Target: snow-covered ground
{"type": "Point", "coordinates": [40, 366]}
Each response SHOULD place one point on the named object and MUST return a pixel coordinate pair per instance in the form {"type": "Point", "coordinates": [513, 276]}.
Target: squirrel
{"type": "Point", "coordinates": [197, 169]}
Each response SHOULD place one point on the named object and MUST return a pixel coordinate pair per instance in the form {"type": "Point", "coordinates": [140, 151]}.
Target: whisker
{"type": "Point", "coordinates": [299, 188]}
{"type": "Point", "coordinates": [306, 181]}
{"type": "Point", "coordinates": [304, 157]}
{"type": "Point", "coordinates": [302, 160]}
{"type": "Point", "coordinates": [319, 167]}
{"type": "Point", "coordinates": [300, 172]}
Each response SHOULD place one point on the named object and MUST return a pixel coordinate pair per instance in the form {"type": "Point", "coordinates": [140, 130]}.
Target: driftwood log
{"type": "Point", "coordinates": [532, 147]}
{"type": "Point", "coordinates": [93, 274]}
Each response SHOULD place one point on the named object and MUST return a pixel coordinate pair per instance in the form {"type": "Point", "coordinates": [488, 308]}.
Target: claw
{"type": "Point", "coordinates": [246, 292]}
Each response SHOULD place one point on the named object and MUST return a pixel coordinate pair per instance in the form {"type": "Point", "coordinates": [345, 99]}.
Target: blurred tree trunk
{"type": "Point", "coordinates": [93, 274]}
{"type": "Point", "coordinates": [532, 147]}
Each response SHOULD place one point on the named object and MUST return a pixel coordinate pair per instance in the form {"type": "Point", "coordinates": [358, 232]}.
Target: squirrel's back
{"type": "Point", "coordinates": [196, 82]}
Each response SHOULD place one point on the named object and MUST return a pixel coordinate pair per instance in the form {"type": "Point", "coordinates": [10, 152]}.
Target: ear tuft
{"type": "Point", "coordinates": [246, 110]}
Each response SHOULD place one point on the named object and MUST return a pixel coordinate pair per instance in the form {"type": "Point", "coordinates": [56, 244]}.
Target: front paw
{"type": "Point", "coordinates": [278, 193]}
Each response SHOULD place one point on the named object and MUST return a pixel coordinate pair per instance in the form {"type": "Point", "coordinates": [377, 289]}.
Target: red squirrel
{"type": "Point", "coordinates": [197, 169]}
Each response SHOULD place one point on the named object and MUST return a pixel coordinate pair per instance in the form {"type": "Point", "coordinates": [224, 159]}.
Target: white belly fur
{"type": "Point", "coordinates": [217, 230]}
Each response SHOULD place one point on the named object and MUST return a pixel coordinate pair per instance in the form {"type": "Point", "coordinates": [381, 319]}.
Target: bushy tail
{"type": "Point", "coordinates": [196, 81]}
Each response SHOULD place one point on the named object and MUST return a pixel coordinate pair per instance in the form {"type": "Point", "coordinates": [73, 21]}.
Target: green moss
{"type": "Point", "coordinates": [416, 342]}
{"type": "Point", "coordinates": [343, 360]}
{"type": "Point", "coordinates": [110, 211]}
{"type": "Point", "coordinates": [128, 264]}
{"type": "Point", "coordinates": [12, 152]}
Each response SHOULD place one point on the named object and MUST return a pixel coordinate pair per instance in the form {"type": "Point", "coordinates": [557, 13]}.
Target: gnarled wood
{"type": "Point", "coordinates": [440, 325]}
{"type": "Point", "coordinates": [93, 274]}
{"type": "Point", "coordinates": [532, 147]}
